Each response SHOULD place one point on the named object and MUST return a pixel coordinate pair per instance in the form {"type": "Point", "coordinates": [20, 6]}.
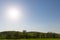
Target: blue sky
{"type": "Point", "coordinates": [39, 15]}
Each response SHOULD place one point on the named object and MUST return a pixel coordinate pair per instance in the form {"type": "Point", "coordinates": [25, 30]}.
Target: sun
{"type": "Point", "coordinates": [13, 13]}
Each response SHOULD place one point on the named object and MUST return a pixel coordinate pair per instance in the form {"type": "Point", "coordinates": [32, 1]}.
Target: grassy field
{"type": "Point", "coordinates": [31, 39]}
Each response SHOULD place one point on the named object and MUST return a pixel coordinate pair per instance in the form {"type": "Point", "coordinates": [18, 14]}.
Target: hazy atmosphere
{"type": "Point", "coordinates": [30, 15]}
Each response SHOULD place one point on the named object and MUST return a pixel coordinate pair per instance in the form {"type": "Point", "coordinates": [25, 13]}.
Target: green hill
{"type": "Point", "coordinates": [24, 34]}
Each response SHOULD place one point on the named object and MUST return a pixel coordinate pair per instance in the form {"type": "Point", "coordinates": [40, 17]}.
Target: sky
{"type": "Point", "coordinates": [37, 15]}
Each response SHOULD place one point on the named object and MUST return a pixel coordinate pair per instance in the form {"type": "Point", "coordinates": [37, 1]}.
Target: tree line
{"type": "Point", "coordinates": [24, 34]}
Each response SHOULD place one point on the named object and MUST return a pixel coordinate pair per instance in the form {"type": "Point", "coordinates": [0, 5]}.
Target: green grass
{"type": "Point", "coordinates": [32, 39]}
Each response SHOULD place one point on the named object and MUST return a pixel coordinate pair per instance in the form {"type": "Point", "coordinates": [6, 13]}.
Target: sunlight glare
{"type": "Point", "coordinates": [13, 13]}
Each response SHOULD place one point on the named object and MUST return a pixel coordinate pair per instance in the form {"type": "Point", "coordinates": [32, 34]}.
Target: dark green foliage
{"type": "Point", "coordinates": [24, 34]}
